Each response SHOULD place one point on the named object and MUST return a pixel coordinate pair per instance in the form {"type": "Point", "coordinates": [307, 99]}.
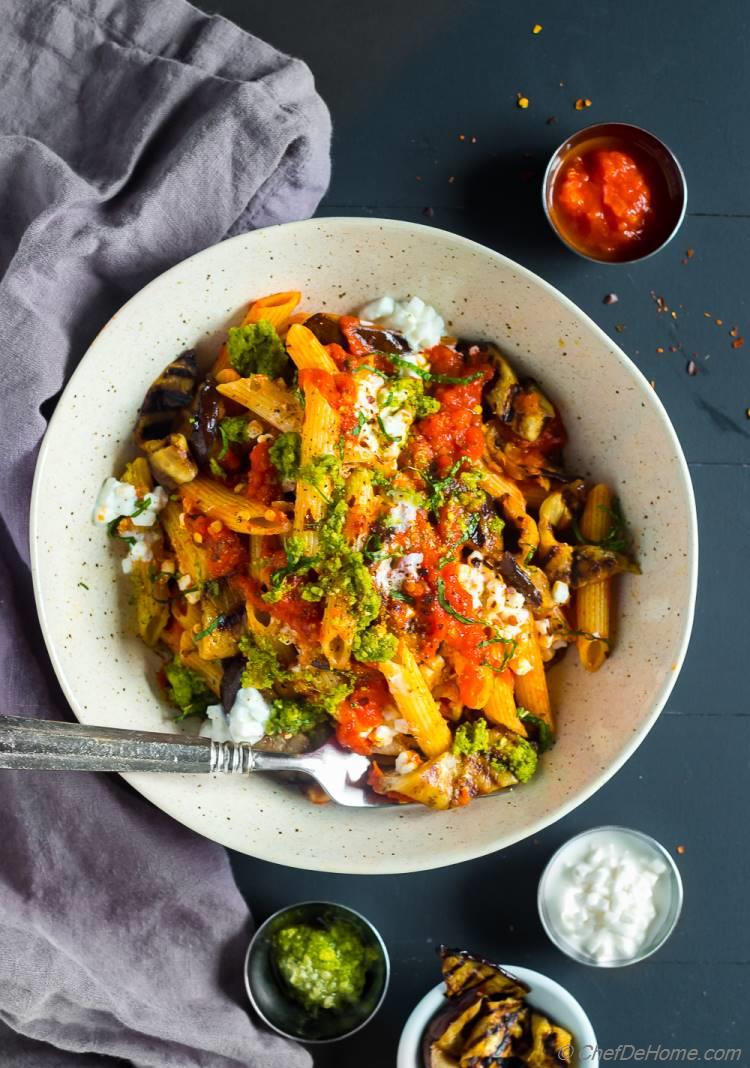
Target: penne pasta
{"type": "Point", "coordinates": [272, 401]}
{"type": "Point", "coordinates": [191, 557]}
{"type": "Point", "coordinates": [500, 708]}
{"type": "Point", "coordinates": [275, 309]}
{"type": "Point", "coordinates": [307, 352]}
{"type": "Point", "coordinates": [531, 690]}
{"type": "Point", "coordinates": [415, 702]}
{"type": "Point", "coordinates": [337, 632]}
{"type": "Point", "coordinates": [593, 600]}
{"type": "Point", "coordinates": [319, 437]}
{"type": "Point", "coordinates": [234, 510]}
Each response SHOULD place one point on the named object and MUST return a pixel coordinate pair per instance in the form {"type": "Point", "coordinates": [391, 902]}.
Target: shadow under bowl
{"type": "Point", "coordinates": [279, 1009]}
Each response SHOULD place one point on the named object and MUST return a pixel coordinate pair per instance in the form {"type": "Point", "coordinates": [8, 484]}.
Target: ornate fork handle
{"type": "Point", "coordinates": [43, 744]}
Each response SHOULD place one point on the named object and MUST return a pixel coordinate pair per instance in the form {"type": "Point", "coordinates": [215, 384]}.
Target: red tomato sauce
{"type": "Point", "coordinates": [340, 390]}
{"type": "Point", "coordinates": [224, 550]}
{"type": "Point", "coordinates": [361, 711]}
{"type": "Point", "coordinates": [262, 479]}
{"type": "Point", "coordinates": [610, 200]}
{"type": "Point", "coordinates": [455, 432]}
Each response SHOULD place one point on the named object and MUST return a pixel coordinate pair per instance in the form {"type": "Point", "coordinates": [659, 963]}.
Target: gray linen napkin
{"type": "Point", "coordinates": [132, 134]}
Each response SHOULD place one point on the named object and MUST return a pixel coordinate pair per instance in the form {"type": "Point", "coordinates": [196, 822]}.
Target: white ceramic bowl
{"type": "Point", "coordinates": [546, 995]}
{"type": "Point", "coordinates": [618, 429]}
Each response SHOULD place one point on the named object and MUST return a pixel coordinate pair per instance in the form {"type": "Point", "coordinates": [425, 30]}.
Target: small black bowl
{"type": "Point", "coordinates": [285, 1015]}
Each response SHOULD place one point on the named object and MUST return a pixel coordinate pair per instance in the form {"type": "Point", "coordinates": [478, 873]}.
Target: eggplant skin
{"type": "Point", "coordinates": [326, 329]}
{"type": "Point", "coordinates": [442, 1036]}
{"type": "Point", "coordinates": [463, 971]}
{"type": "Point", "coordinates": [165, 400]}
{"type": "Point", "coordinates": [204, 425]}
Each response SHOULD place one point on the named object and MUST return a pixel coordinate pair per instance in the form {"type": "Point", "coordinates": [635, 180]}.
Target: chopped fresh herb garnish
{"type": "Point", "coordinates": [585, 634]}
{"type": "Point", "coordinates": [429, 376]}
{"type": "Point", "coordinates": [357, 428]}
{"type": "Point", "coordinates": [217, 621]}
{"type": "Point", "coordinates": [374, 551]}
{"type": "Point", "coordinates": [448, 607]}
{"type": "Point", "coordinates": [399, 595]}
{"type": "Point", "coordinates": [618, 539]}
{"type": "Point", "coordinates": [545, 736]}
{"type": "Point", "coordinates": [141, 506]}
{"type": "Point", "coordinates": [83, 585]}
{"type": "Point", "coordinates": [216, 469]}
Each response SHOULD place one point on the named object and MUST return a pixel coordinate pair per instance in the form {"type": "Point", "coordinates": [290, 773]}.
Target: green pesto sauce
{"type": "Point", "coordinates": [322, 968]}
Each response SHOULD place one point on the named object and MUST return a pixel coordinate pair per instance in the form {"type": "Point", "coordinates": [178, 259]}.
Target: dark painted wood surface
{"type": "Point", "coordinates": [403, 81]}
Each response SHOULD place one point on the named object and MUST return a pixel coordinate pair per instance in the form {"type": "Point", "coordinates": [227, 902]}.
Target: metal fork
{"type": "Point", "coordinates": [49, 745]}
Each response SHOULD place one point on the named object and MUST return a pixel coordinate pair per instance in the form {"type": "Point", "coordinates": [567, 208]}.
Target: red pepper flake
{"type": "Point", "coordinates": [733, 332]}
{"type": "Point", "coordinates": [660, 302]}
{"type": "Point", "coordinates": [582, 102]}
{"type": "Point", "coordinates": [610, 298]}
{"type": "Point", "coordinates": [620, 328]}
{"type": "Point", "coordinates": [692, 368]}
{"type": "Point", "coordinates": [681, 849]}
{"type": "Point", "coordinates": [690, 253]}
{"type": "Point", "coordinates": [660, 350]}
{"type": "Point", "coordinates": [738, 343]}
{"type": "Point", "coordinates": [462, 137]}
{"type": "Point", "coordinates": [719, 322]}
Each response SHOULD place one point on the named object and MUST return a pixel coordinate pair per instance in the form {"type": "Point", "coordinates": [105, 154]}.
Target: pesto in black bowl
{"type": "Point", "coordinates": [316, 971]}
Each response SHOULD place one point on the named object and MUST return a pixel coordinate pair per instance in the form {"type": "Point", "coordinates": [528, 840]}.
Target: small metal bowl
{"type": "Point", "coordinates": [285, 1015]}
{"type": "Point", "coordinates": [668, 911]}
{"type": "Point", "coordinates": [661, 156]}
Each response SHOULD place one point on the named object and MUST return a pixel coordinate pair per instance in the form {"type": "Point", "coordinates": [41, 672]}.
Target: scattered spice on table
{"type": "Point", "coordinates": [738, 343]}
{"type": "Point", "coordinates": [610, 298]}
{"type": "Point", "coordinates": [582, 102]}
{"type": "Point", "coordinates": [719, 322]}
{"type": "Point", "coordinates": [676, 348]}
{"type": "Point", "coordinates": [733, 332]}
{"type": "Point", "coordinates": [660, 350]}
{"type": "Point", "coordinates": [536, 28]}
{"type": "Point", "coordinates": [688, 255]}
{"type": "Point", "coordinates": [522, 101]}
{"type": "Point", "coordinates": [692, 368]}
{"type": "Point", "coordinates": [620, 328]}
{"type": "Point", "coordinates": [452, 179]}
{"type": "Point", "coordinates": [661, 304]}
{"type": "Point", "coordinates": [747, 413]}
{"type": "Point", "coordinates": [552, 120]}
{"type": "Point", "coordinates": [680, 849]}
{"type": "Point", "coordinates": [473, 140]}
{"type": "Point", "coordinates": [462, 137]}
{"type": "Point", "coordinates": [429, 212]}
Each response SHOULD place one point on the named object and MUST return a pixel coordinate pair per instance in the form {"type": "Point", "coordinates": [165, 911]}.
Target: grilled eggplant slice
{"type": "Point", "coordinates": [464, 971]}
{"type": "Point", "coordinates": [518, 578]}
{"type": "Point", "coordinates": [444, 1037]}
{"type": "Point", "coordinates": [550, 1044]}
{"type": "Point", "coordinates": [204, 424]}
{"type": "Point", "coordinates": [166, 399]}
{"type": "Point", "coordinates": [447, 781]}
{"type": "Point", "coordinates": [171, 463]}
{"type": "Point", "coordinates": [326, 329]}
{"type": "Point", "coordinates": [576, 565]}
{"type": "Point", "coordinates": [496, 1033]}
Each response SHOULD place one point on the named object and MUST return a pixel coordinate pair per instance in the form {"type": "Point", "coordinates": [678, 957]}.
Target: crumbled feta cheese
{"type": "Point", "coordinates": [473, 581]}
{"type": "Point", "coordinates": [381, 735]}
{"type": "Point", "coordinates": [420, 323]}
{"type": "Point", "coordinates": [246, 721]}
{"type": "Point", "coordinates": [560, 592]}
{"type": "Point", "coordinates": [118, 499]}
{"type": "Point", "coordinates": [407, 761]}
{"type": "Point", "coordinates": [521, 667]}
{"type": "Point", "coordinates": [139, 549]}
{"type": "Point", "coordinates": [392, 574]}
{"type": "Point", "coordinates": [401, 516]}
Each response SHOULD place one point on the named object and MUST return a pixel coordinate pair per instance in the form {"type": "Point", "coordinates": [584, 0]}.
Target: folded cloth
{"type": "Point", "coordinates": [132, 134]}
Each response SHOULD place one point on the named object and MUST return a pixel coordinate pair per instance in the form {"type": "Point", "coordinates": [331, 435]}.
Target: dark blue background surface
{"type": "Point", "coordinates": [403, 81]}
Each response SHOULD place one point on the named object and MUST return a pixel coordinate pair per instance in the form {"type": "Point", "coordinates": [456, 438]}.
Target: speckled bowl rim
{"type": "Point", "coordinates": [461, 850]}
{"type": "Point", "coordinates": [409, 1054]}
